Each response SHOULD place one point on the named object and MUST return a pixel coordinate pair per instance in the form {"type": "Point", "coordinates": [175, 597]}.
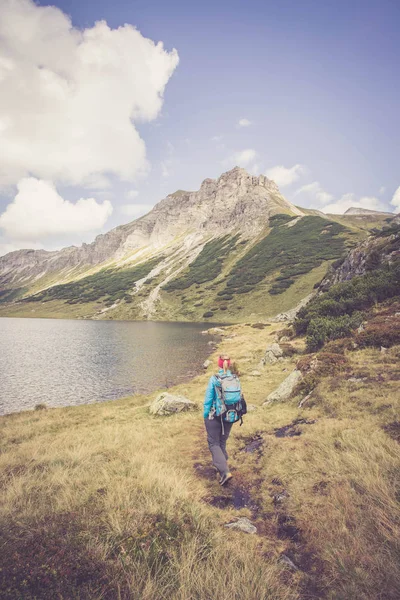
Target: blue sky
{"type": "Point", "coordinates": [315, 85]}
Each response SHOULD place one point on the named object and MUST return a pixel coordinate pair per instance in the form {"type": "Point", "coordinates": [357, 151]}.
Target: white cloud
{"type": "Point", "coordinates": [285, 176]}
{"type": "Point", "coordinates": [349, 201]}
{"type": "Point", "coordinates": [39, 212]}
{"type": "Point", "coordinates": [135, 210]}
{"type": "Point", "coordinates": [382, 190]}
{"type": "Point", "coordinates": [69, 98]}
{"type": "Point", "coordinates": [244, 123]}
{"type": "Point", "coordinates": [315, 192]}
{"type": "Point", "coordinates": [242, 159]}
{"type": "Point", "coordinates": [132, 194]}
{"type": "Point", "coordinates": [255, 169]}
{"type": "Point", "coordinates": [395, 201]}
{"type": "Point", "coordinates": [216, 138]}
{"type": "Point", "coordinates": [165, 168]}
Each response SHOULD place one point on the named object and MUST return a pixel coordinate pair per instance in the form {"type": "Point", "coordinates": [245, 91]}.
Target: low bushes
{"type": "Point", "coordinates": [322, 329]}
{"type": "Point", "coordinates": [377, 334]}
{"type": "Point", "coordinates": [108, 284]}
{"type": "Point", "coordinates": [338, 311]}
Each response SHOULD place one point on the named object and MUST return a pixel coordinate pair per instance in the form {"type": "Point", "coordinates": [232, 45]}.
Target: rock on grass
{"type": "Point", "coordinates": [167, 404]}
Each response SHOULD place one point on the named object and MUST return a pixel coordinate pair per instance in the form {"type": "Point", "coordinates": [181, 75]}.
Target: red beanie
{"type": "Point", "coordinates": [222, 360]}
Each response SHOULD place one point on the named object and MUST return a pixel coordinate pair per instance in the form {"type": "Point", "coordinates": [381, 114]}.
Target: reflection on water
{"type": "Point", "coordinates": [66, 362]}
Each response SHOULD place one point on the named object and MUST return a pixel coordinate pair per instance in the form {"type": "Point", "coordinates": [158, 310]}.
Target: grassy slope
{"type": "Point", "coordinates": [104, 501]}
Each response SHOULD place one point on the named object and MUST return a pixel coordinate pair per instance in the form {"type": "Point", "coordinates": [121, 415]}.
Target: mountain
{"type": "Point", "coordinates": [234, 249]}
{"type": "Point", "coordinates": [365, 211]}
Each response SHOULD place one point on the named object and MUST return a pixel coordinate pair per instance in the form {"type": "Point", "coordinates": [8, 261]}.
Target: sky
{"type": "Point", "coordinates": [107, 107]}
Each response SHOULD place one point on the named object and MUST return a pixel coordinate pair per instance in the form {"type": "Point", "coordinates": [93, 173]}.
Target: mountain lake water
{"type": "Point", "coordinates": [71, 362]}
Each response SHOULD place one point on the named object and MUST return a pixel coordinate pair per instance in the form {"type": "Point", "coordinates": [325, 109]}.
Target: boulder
{"type": "Point", "coordinates": [243, 524]}
{"type": "Point", "coordinates": [167, 404]}
{"type": "Point", "coordinates": [284, 391]}
{"type": "Point", "coordinates": [272, 353]}
{"type": "Point", "coordinates": [206, 364]}
{"type": "Point", "coordinates": [287, 562]}
{"type": "Point", "coordinates": [216, 331]}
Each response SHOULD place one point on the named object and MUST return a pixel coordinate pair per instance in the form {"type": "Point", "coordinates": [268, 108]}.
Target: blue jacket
{"type": "Point", "coordinates": [211, 392]}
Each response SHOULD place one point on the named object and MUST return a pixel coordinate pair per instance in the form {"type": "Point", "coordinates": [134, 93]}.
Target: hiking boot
{"type": "Point", "coordinates": [225, 478]}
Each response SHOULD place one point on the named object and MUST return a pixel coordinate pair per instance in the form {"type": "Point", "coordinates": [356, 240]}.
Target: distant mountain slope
{"type": "Point", "coordinates": [234, 249]}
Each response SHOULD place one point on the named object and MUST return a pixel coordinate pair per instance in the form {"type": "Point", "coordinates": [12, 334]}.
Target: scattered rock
{"type": "Point", "coordinates": [216, 331]}
{"type": "Point", "coordinates": [206, 364]}
{"type": "Point", "coordinates": [361, 328]}
{"type": "Point", "coordinates": [281, 497]}
{"type": "Point", "coordinates": [243, 524]}
{"type": "Point", "coordinates": [212, 343]}
{"type": "Point", "coordinates": [272, 353]}
{"type": "Point", "coordinates": [255, 374]}
{"type": "Point", "coordinates": [284, 391]}
{"type": "Point", "coordinates": [284, 338]}
{"type": "Point", "coordinates": [304, 400]}
{"type": "Point", "coordinates": [167, 404]}
{"type": "Point", "coordinates": [357, 379]}
{"type": "Point", "coordinates": [251, 407]}
{"type": "Point", "coordinates": [285, 560]}
{"type": "Point", "coordinates": [383, 349]}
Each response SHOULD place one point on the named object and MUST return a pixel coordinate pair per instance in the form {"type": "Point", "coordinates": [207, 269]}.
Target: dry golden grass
{"type": "Point", "coordinates": [106, 502]}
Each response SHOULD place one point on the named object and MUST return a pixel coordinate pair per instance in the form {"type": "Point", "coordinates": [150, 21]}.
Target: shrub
{"type": "Point", "coordinates": [380, 334]}
{"type": "Point", "coordinates": [322, 329]}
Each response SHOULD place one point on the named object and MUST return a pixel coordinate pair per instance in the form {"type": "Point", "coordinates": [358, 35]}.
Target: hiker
{"type": "Point", "coordinates": [223, 406]}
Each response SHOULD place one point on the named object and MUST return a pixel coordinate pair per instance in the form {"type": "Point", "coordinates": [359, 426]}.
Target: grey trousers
{"type": "Point", "coordinates": [217, 443]}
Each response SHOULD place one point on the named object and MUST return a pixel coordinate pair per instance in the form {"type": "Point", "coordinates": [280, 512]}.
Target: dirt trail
{"type": "Point", "coordinates": [274, 524]}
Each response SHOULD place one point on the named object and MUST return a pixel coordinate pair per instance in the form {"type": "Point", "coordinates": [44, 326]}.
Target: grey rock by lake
{"type": "Point", "coordinates": [167, 404]}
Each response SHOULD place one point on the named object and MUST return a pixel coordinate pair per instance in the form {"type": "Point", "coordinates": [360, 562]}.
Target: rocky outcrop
{"type": "Point", "coordinates": [290, 315]}
{"type": "Point", "coordinates": [167, 404]}
{"type": "Point", "coordinates": [373, 252]}
{"type": "Point", "coordinates": [286, 388]}
{"type": "Point", "coordinates": [272, 354]}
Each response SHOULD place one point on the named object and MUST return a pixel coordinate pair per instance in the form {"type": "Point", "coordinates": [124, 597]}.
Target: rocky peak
{"type": "Point", "coordinates": [235, 202]}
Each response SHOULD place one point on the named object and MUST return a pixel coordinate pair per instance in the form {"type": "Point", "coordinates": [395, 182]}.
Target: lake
{"type": "Point", "coordinates": [71, 362]}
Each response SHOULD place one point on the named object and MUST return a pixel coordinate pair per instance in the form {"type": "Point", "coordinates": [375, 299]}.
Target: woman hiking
{"type": "Point", "coordinates": [222, 407]}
